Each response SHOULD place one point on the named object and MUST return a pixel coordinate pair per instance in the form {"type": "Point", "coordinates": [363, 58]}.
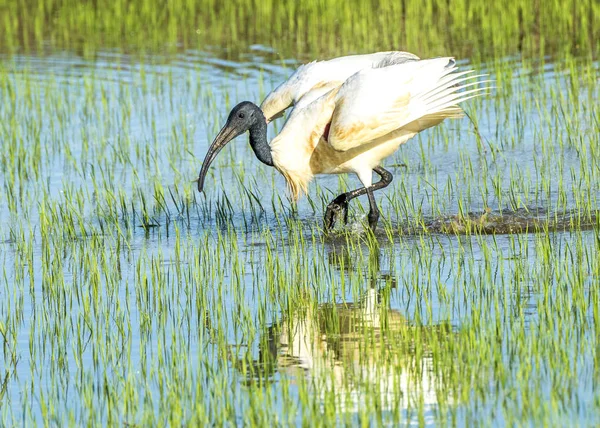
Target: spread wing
{"type": "Point", "coordinates": [318, 77]}
{"type": "Point", "coordinates": [375, 102]}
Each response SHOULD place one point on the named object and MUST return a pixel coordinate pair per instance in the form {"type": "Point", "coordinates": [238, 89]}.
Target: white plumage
{"type": "Point", "coordinates": [317, 77]}
{"type": "Point", "coordinates": [354, 127]}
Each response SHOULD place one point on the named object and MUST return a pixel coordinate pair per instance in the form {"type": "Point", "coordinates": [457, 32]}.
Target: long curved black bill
{"type": "Point", "coordinates": [225, 135]}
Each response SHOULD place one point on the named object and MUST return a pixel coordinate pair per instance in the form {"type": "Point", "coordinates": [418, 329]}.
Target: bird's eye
{"type": "Point", "coordinates": [241, 115]}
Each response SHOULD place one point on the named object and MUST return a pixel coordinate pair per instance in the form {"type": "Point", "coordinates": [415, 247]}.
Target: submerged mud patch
{"type": "Point", "coordinates": [488, 222]}
{"type": "Point", "coordinates": [507, 222]}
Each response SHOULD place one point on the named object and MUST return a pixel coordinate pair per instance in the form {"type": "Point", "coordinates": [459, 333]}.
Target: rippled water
{"type": "Point", "coordinates": [131, 124]}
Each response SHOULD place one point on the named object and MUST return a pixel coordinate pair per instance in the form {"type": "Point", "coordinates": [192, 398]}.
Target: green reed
{"type": "Point", "coordinates": [128, 298]}
{"type": "Point", "coordinates": [468, 29]}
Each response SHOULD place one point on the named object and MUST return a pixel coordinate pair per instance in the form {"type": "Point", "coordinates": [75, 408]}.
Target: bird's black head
{"type": "Point", "coordinates": [245, 116]}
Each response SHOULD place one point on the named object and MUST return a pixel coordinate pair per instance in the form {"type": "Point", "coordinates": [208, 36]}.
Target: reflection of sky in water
{"type": "Point", "coordinates": [118, 100]}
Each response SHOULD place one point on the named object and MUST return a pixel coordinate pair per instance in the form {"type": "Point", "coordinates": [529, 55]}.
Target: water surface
{"type": "Point", "coordinates": [128, 298]}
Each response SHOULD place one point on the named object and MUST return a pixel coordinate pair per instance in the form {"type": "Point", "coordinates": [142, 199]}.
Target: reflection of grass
{"type": "Point", "coordinates": [125, 295]}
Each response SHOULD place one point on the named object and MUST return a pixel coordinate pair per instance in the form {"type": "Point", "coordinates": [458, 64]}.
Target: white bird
{"type": "Point", "coordinates": [353, 127]}
{"type": "Point", "coordinates": [314, 79]}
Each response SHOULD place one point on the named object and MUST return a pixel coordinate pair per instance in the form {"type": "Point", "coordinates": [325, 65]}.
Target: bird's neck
{"type": "Point", "coordinates": [259, 143]}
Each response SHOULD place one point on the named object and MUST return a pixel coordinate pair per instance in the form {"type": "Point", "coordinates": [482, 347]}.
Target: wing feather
{"type": "Point", "coordinates": [317, 75]}
{"type": "Point", "coordinates": [375, 102]}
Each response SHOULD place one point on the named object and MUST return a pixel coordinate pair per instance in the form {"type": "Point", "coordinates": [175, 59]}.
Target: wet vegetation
{"type": "Point", "coordinates": [128, 298]}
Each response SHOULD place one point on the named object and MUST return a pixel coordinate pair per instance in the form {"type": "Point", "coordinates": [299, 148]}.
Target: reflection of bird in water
{"type": "Point", "coordinates": [355, 350]}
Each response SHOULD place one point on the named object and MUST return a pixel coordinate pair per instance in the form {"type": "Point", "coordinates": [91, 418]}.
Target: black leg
{"type": "Point", "coordinates": [373, 210]}
{"type": "Point", "coordinates": [340, 204]}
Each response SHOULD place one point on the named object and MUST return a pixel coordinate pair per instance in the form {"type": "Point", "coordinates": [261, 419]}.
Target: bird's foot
{"type": "Point", "coordinates": [373, 219]}
{"type": "Point", "coordinates": [335, 207]}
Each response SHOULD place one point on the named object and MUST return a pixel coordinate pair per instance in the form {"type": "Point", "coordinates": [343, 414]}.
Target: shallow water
{"type": "Point", "coordinates": [127, 297]}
